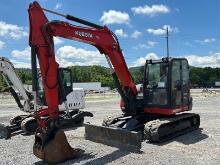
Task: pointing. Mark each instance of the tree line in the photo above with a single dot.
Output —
(204, 77)
(199, 77)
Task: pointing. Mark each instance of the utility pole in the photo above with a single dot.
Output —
(167, 36)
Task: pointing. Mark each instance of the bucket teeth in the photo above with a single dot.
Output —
(56, 149)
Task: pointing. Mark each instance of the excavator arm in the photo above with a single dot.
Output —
(14, 83)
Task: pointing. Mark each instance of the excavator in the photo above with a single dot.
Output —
(70, 115)
(13, 82)
(153, 116)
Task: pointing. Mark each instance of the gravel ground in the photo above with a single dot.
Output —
(199, 147)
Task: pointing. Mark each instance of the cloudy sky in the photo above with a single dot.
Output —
(194, 28)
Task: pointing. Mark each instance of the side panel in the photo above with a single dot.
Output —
(75, 100)
(165, 111)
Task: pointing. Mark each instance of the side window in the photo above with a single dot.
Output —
(185, 70)
(66, 81)
(67, 78)
(157, 75)
(175, 74)
(40, 91)
(153, 75)
(176, 84)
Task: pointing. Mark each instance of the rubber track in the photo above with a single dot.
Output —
(164, 129)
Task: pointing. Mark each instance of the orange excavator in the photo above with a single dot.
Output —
(151, 114)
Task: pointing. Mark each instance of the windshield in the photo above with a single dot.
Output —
(157, 75)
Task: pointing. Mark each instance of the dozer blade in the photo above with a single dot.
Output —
(55, 149)
(116, 137)
(4, 132)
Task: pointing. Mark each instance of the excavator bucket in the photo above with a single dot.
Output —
(116, 137)
(54, 148)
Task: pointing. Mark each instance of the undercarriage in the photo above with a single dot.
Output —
(27, 124)
(129, 131)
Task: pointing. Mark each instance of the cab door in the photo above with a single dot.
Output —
(176, 92)
(185, 83)
(180, 90)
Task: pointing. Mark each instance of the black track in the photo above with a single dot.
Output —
(164, 129)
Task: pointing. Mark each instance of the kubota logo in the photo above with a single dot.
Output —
(83, 34)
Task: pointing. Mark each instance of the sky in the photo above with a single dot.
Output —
(194, 30)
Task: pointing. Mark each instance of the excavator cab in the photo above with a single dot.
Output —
(166, 84)
(65, 84)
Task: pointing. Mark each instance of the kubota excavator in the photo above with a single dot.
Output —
(151, 116)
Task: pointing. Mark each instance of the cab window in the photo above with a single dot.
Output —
(157, 75)
(185, 70)
(176, 83)
(66, 78)
(156, 84)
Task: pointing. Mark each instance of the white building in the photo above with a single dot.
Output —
(217, 84)
(91, 86)
(87, 86)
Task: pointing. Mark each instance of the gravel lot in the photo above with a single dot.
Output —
(198, 147)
